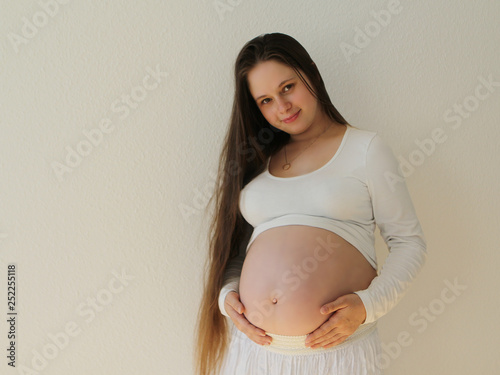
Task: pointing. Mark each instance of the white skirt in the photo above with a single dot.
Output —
(359, 354)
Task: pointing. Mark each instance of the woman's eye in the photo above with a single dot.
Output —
(285, 89)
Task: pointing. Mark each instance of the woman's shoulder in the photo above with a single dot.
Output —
(361, 130)
(359, 135)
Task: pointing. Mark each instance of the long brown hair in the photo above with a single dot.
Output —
(249, 141)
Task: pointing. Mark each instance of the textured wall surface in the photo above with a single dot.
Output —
(112, 116)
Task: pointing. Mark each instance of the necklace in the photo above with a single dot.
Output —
(288, 164)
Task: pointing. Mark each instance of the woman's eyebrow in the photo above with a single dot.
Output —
(281, 84)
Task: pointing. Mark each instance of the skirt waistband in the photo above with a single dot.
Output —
(297, 344)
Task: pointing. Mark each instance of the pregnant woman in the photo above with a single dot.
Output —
(292, 259)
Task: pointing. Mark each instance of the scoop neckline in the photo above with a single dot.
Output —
(341, 146)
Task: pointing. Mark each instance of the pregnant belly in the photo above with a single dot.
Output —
(290, 271)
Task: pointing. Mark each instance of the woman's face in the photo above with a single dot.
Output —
(282, 97)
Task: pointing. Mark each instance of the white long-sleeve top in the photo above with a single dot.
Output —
(360, 187)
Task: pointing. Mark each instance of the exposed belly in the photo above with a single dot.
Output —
(291, 271)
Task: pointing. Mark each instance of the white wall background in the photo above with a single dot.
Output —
(122, 208)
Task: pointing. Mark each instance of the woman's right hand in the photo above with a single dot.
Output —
(235, 310)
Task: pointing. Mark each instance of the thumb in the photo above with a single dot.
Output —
(235, 303)
(332, 306)
(240, 308)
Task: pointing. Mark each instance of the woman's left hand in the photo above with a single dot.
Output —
(349, 314)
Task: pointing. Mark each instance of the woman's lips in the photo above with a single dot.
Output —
(292, 118)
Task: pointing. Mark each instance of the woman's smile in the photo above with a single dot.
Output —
(292, 118)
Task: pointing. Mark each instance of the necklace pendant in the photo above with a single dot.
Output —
(286, 166)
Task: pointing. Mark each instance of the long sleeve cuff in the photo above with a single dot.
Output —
(367, 302)
(232, 285)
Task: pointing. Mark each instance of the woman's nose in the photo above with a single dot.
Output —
(283, 104)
